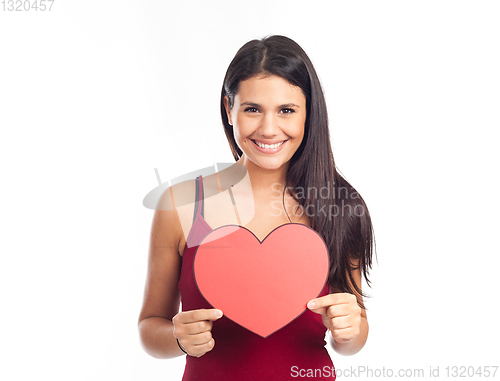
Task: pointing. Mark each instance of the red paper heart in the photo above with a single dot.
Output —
(265, 285)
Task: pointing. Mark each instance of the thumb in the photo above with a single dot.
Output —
(313, 306)
(215, 314)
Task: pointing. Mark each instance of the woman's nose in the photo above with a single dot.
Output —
(269, 125)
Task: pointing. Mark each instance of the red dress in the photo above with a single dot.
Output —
(296, 351)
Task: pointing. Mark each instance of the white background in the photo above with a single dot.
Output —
(96, 94)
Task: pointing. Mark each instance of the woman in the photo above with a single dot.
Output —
(275, 119)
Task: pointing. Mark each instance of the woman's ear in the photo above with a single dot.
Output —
(228, 112)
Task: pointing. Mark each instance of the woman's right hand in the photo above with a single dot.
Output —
(193, 329)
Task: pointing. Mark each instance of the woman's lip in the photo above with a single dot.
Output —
(268, 150)
(268, 141)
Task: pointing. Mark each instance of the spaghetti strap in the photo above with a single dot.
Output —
(199, 228)
(198, 204)
(201, 196)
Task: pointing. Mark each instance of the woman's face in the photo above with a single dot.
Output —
(268, 118)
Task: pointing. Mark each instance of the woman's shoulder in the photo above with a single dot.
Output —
(177, 195)
(174, 209)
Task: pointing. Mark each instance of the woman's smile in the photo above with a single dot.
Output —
(268, 147)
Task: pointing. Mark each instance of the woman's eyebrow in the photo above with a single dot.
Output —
(280, 106)
(250, 104)
(288, 105)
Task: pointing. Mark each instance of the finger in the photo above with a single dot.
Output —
(198, 315)
(344, 335)
(198, 327)
(341, 322)
(328, 300)
(200, 350)
(320, 311)
(199, 338)
(214, 314)
(337, 310)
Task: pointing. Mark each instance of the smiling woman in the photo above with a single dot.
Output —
(268, 116)
(275, 119)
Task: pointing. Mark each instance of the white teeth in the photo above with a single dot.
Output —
(269, 145)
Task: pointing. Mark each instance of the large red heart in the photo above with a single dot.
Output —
(265, 285)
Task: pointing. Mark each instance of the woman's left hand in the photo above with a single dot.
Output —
(340, 313)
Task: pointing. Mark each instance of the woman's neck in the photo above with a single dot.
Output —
(264, 181)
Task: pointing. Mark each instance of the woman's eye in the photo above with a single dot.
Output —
(251, 109)
(288, 110)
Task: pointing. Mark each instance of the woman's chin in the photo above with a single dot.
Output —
(269, 164)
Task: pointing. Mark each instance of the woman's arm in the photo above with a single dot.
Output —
(345, 319)
(160, 322)
(161, 294)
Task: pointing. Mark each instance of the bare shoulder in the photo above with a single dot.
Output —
(179, 200)
(179, 194)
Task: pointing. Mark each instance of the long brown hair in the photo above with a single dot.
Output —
(347, 231)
